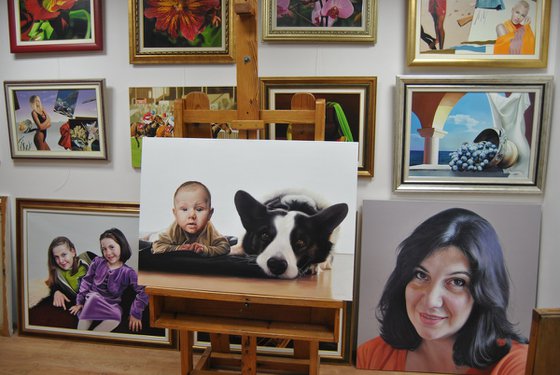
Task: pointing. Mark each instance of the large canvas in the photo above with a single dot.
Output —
(387, 223)
(260, 168)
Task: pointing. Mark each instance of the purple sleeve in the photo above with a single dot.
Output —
(141, 300)
(87, 282)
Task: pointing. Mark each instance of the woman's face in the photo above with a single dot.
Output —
(438, 300)
(111, 251)
(63, 256)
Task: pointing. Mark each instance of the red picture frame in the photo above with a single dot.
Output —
(40, 30)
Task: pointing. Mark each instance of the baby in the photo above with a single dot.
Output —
(192, 230)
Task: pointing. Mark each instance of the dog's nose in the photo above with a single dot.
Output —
(277, 265)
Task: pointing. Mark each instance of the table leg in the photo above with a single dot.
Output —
(186, 345)
(248, 355)
(308, 350)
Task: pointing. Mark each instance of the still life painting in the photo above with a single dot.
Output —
(476, 133)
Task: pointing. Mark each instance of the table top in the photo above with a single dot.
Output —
(315, 287)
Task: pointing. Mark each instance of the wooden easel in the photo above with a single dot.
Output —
(249, 312)
(193, 115)
(301, 310)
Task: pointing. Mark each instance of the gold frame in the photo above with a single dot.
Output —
(197, 56)
(63, 217)
(366, 87)
(365, 34)
(6, 328)
(449, 58)
(435, 177)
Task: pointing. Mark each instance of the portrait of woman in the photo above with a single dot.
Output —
(444, 306)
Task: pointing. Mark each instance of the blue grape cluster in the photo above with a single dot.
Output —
(473, 157)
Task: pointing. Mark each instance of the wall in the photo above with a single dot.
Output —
(116, 180)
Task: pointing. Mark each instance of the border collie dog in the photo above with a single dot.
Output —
(290, 233)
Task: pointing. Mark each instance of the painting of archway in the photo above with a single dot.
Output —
(477, 130)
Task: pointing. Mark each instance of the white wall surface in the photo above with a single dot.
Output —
(116, 180)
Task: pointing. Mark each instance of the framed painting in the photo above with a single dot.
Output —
(56, 119)
(38, 26)
(476, 133)
(59, 255)
(159, 33)
(350, 112)
(490, 33)
(6, 320)
(399, 280)
(152, 112)
(319, 21)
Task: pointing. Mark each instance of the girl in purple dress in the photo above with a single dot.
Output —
(102, 287)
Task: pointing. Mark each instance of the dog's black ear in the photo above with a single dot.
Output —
(329, 218)
(249, 209)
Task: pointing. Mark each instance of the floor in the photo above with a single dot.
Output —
(39, 355)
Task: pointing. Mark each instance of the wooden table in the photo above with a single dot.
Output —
(302, 310)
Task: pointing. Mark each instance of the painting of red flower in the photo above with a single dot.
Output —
(182, 23)
(55, 25)
(178, 31)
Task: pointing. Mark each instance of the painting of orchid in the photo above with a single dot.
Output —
(49, 26)
(178, 31)
(319, 20)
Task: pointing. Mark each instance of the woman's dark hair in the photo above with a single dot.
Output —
(51, 262)
(119, 237)
(486, 336)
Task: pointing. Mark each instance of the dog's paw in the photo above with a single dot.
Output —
(237, 250)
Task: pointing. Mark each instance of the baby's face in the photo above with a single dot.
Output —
(518, 14)
(192, 210)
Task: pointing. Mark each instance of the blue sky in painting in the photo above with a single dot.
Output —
(467, 119)
(86, 105)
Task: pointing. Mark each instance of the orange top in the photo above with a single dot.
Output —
(503, 43)
(376, 354)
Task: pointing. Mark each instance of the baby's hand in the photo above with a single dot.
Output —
(526, 21)
(74, 310)
(59, 299)
(185, 247)
(134, 324)
(198, 247)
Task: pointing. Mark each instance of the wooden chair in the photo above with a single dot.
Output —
(544, 343)
(194, 118)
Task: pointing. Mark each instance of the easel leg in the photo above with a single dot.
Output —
(186, 344)
(308, 350)
(248, 355)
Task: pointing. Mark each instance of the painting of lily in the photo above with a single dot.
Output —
(180, 31)
(182, 23)
(54, 25)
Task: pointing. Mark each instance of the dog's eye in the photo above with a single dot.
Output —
(265, 237)
(300, 245)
